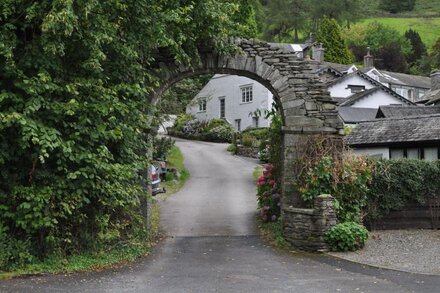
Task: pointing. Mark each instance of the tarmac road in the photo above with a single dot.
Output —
(213, 246)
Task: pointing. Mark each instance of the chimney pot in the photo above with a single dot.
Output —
(368, 59)
(318, 53)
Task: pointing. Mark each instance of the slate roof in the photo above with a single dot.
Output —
(356, 115)
(374, 82)
(405, 111)
(335, 68)
(388, 131)
(402, 78)
(406, 79)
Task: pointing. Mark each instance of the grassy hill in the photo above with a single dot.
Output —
(425, 19)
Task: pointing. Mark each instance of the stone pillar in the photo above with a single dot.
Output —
(305, 228)
(324, 219)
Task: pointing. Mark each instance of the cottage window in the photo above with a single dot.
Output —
(431, 154)
(222, 108)
(202, 105)
(246, 94)
(397, 154)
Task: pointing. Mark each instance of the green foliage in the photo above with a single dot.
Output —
(347, 236)
(74, 117)
(418, 48)
(232, 148)
(275, 146)
(162, 146)
(248, 140)
(347, 181)
(181, 121)
(397, 183)
(215, 130)
(395, 6)
(330, 35)
(175, 180)
(177, 97)
(258, 133)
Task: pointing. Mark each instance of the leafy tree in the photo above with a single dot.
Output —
(175, 100)
(429, 62)
(418, 47)
(376, 36)
(390, 58)
(74, 113)
(285, 16)
(329, 34)
(344, 11)
(396, 6)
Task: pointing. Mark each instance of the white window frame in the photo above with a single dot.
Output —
(247, 94)
(202, 105)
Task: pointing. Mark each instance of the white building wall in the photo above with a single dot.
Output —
(379, 152)
(229, 87)
(341, 90)
(376, 99)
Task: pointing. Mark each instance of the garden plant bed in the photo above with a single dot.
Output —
(415, 251)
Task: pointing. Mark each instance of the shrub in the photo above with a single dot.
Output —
(162, 146)
(232, 148)
(248, 140)
(221, 133)
(268, 195)
(348, 236)
(181, 121)
(397, 183)
(347, 181)
(258, 133)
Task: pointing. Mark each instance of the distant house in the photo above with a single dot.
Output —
(236, 99)
(415, 137)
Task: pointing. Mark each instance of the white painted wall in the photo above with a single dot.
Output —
(228, 86)
(381, 152)
(341, 90)
(376, 99)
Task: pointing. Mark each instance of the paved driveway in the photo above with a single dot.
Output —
(213, 246)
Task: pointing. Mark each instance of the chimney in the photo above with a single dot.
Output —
(318, 53)
(368, 59)
(435, 80)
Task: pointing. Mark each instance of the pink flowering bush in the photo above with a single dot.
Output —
(268, 195)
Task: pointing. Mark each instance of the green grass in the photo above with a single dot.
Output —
(116, 256)
(258, 171)
(428, 28)
(175, 160)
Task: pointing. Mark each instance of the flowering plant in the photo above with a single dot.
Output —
(268, 195)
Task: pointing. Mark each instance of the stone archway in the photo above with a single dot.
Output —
(304, 103)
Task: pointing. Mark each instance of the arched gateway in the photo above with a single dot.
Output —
(306, 108)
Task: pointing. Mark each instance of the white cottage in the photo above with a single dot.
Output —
(233, 98)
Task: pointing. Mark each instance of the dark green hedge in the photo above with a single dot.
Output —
(397, 183)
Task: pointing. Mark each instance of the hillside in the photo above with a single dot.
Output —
(425, 19)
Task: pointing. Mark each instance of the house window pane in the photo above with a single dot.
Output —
(222, 108)
(413, 154)
(431, 154)
(396, 154)
(202, 105)
(246, 94)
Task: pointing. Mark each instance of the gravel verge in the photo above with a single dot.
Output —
(415, 251)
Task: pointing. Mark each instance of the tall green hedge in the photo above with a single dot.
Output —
(397, 183)
(75, 77)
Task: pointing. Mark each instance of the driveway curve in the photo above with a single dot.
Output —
(212, 245)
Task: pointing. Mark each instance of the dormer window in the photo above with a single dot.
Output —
(356, 88)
